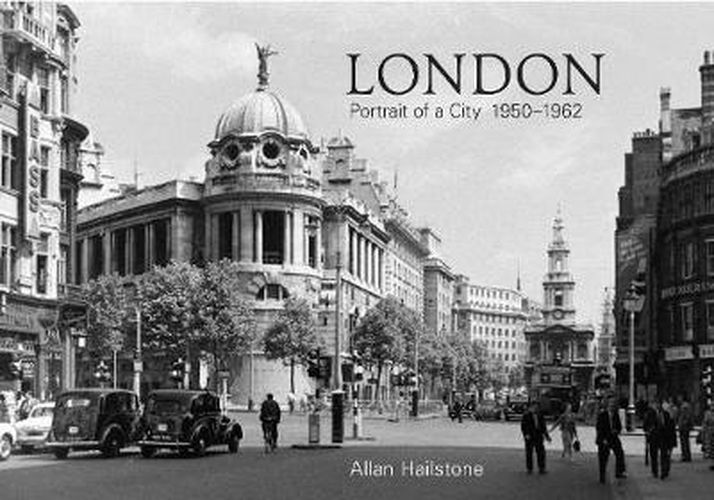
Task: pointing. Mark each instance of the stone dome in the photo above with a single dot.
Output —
(258, 112)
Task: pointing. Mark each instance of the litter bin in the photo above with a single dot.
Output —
(313, 428)
(338, 424)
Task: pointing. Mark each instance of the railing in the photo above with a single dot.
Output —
(32, 28)
(69, 291)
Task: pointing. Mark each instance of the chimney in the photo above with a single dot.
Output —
(706, 71)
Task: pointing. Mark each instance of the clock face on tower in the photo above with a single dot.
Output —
(558, 314)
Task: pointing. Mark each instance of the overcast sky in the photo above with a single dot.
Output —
(154, 79)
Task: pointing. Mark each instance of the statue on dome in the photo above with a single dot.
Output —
(263, 54)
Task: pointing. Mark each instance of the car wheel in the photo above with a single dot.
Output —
(148, 451)
(5, 447)
(233, 443)
(112, 445)
(61, 453)
(199, 445)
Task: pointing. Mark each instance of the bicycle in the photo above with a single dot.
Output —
(270, 432)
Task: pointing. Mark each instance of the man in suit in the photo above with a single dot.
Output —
(534, 432)
(608, 429)
(662, 437)
(685, 423)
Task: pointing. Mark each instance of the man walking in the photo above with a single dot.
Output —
(607, 438)
(270, 418)
(534, 432)
(662, 436)
(685, 424)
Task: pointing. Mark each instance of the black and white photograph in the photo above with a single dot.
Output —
(356, 250)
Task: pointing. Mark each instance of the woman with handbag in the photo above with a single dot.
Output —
(566, 422)
(708, 435)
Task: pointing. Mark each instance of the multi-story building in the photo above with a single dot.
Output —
(438, 286)
(496, 317)
(300, 221)
(684, 261)
(38, 194)
(634, 242)
(560, 359)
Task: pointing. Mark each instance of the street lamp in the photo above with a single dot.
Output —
(632, 303)
(138, 364)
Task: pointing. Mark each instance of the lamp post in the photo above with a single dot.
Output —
(138, 364)
(632, 303)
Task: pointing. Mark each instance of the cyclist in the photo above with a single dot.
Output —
(270, 418)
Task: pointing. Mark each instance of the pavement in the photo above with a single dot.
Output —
(351, 472)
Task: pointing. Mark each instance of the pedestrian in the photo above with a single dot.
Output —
(4, 411)
(708, 434)
(566, 422)
(685, 423)
(608, 428)
(457, 410)
(534, 433)
(662, 437)
(22, 406)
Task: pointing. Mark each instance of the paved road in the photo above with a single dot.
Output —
(328, 474)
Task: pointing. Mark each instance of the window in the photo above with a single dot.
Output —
(8, 255)
(162, 250)
(225, 235)
(9, 161)
(710, 319)
(273, 237)
(272, 291)
(42, 257)
(558, 301)
(44, 171)
(43, 80)
(10, 70)
(62, 265)
(139, 248)
(687, 260)
(64, 95)
(710, 257)
(64, 210)
(119, 252)
(687, 315)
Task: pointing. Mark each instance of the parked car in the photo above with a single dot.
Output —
(515, 410)
(186, 421)
(488, 410)
(94, 419)
(32, 432)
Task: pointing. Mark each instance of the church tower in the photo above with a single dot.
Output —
(558, 284)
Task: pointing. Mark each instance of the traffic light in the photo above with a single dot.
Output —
(313, 368)
(178, 368)
(102, 372)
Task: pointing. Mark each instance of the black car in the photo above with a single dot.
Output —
(94, 419)
(515, 410)
(186, 421)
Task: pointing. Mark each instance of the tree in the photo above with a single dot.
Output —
(170, 303)
(293, 336)
(108, 315)
(384, 332)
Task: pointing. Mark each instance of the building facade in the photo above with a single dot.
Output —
(438, 286)
(561, 357)
(496, 317)
(38, 195)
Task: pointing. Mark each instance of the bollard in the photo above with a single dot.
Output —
(357, 422)
(313, 428)
(338, 424)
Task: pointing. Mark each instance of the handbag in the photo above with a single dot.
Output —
(576, 444)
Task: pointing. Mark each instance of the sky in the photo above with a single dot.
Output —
(155, 78)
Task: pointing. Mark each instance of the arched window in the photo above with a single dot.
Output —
(272, 292)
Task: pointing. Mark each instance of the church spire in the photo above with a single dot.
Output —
(518, 279)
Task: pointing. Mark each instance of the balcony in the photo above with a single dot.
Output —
(689, 163)
(28, 28)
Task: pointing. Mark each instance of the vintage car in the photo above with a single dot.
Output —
(32, 432)
(514, 410)
(187, 421)
(94, 419)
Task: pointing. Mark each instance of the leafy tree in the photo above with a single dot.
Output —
(108, 314)
(226, 321)
(293, 336)
(382, 335)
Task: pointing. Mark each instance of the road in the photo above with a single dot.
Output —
(332, 474)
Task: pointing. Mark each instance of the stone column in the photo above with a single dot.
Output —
(380, 270)
(368, 259)
(363, 256)
(129, 260)
(169, 240)
(318, 245)
(287, 238)
(150, 244)
(258, 256)
(235, 234)
(298, 222)
(353, 251)
(246, 234)
(107, 252)
(214, 237)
